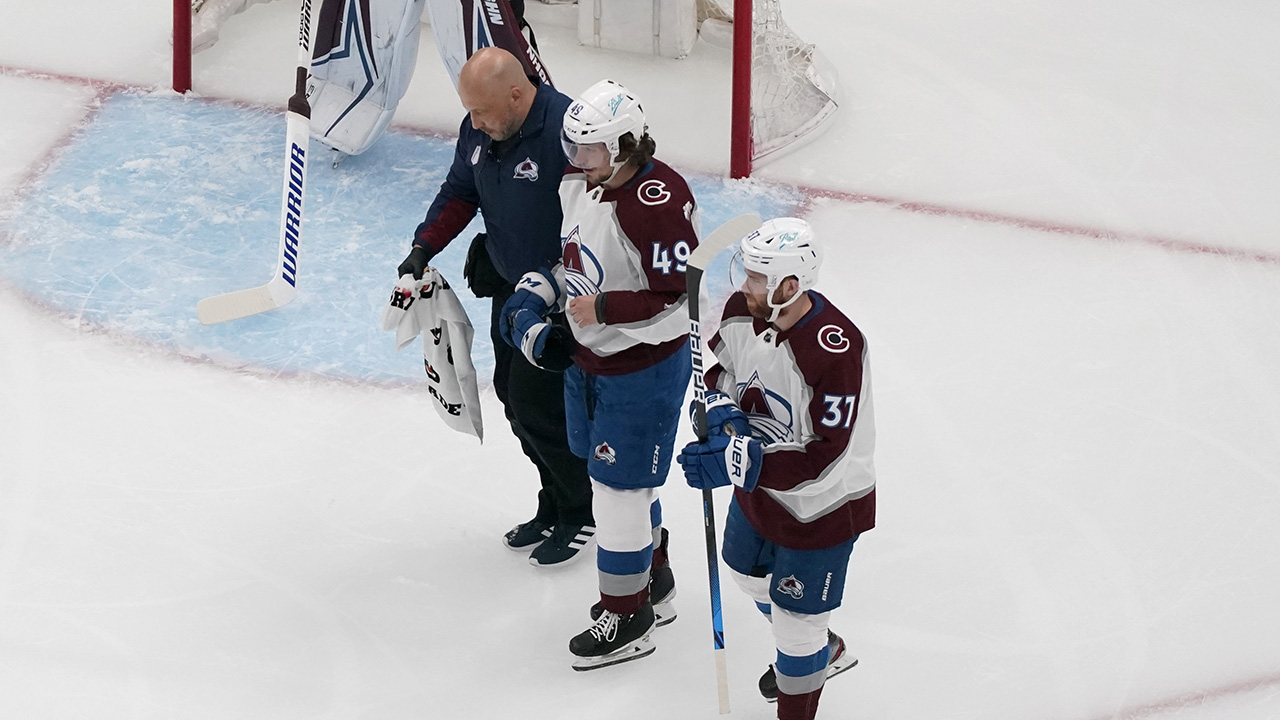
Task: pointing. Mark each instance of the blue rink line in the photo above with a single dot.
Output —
(162, 201)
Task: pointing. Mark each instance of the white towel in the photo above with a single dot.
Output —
(431, 304)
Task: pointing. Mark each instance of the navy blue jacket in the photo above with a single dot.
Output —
(515, 186)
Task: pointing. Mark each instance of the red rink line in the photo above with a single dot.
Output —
(1193, 699)
(105, 87)
(1047, 226)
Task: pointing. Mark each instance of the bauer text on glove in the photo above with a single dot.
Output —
(722, 460)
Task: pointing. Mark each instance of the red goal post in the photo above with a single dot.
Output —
(182, 46)
(784, 89)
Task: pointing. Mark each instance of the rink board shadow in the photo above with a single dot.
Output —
(161, 201)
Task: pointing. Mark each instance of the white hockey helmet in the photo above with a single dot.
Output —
(595, 122)
(779, 249)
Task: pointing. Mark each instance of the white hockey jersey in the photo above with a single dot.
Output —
(807, 394)
(630, 243)
(432, 310)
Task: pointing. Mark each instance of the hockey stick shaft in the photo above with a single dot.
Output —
(698, 262)
(283, 286)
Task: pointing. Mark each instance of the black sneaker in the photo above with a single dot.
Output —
(840, 660)
(563, 545)
(614, 639)
(526, 535)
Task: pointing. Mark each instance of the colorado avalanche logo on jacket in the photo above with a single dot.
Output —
(768, 412)
(583, 273)
(527, 170)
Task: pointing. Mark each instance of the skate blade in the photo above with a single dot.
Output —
(643, 647)
(664, 611)
(842, 663)
(664, 614)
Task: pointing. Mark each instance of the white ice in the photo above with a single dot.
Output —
(1078, 424)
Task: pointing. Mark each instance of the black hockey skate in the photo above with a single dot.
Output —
(841, 660)
(662, 590)
(614, 639)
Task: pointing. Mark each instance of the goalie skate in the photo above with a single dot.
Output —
(614, 639)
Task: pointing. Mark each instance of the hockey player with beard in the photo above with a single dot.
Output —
(790, 425)
(629, 225)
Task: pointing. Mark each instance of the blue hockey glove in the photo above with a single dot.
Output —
(722, 460)
(536, 294)
(723, 415)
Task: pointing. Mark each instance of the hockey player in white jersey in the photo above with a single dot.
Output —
(630, 222)
(790, 425)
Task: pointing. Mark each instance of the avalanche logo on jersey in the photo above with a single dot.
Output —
(583, 273)
(605, 454)
(527, 170)
(768, 412)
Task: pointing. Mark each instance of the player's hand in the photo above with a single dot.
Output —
(722, 460)
(723, 415)
(415, 264)
(582, 310)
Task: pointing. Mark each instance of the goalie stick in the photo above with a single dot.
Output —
(702, 256)
(283, 286)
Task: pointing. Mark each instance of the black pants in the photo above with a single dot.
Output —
(533, 399)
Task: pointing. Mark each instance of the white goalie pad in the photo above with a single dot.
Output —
(364, 59)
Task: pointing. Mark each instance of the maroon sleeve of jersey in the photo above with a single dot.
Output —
(625, 306)
(655, 215)
(836, 380)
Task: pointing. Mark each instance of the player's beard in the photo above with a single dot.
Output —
(757, 306)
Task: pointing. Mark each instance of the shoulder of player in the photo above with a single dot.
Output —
(827, 334)
(659, 190)
(735, 307)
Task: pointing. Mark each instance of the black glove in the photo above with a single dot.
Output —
(415, 264)
(557, 353)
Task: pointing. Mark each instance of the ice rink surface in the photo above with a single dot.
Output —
(1056, 225)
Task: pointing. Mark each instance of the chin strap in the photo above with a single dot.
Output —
(773, 317)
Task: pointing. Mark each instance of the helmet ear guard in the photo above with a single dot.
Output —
(779, 249)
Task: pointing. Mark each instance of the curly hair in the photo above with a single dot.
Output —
(637, 153)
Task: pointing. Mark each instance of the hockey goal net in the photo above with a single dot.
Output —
(784, 90)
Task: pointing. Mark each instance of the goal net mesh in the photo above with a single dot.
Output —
(793, 87)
